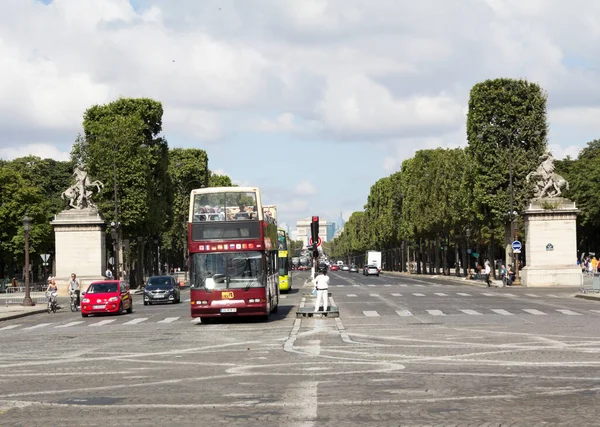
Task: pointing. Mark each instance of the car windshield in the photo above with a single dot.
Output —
(226, 206)
(160, 282)
(102, 288)
(235, 270)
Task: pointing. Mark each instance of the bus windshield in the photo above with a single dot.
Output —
(226, 206)
(235, 270)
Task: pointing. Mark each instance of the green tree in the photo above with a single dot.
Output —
(506, 126)
(217, 180)
(582, 174)
(18, 197)
(188, 169)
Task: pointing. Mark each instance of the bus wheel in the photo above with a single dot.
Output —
(205, 320)
(276, 308)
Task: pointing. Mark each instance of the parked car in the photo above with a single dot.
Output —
(353, 269)
(162, 289)
(106, 296)
(371, 269)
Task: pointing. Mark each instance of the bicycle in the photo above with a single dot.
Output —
(52, 302)
(74, 300)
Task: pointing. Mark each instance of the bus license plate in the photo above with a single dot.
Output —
(228, 310)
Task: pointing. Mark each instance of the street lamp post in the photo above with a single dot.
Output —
(27, 301)
(468, 232)
(115, 235)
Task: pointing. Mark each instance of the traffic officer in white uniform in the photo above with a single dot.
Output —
(322, 287)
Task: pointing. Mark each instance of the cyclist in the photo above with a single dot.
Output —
(75, 288)
(52, 290)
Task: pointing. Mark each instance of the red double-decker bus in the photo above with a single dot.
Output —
(232, 254)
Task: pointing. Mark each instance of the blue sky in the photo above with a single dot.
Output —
(311, 100)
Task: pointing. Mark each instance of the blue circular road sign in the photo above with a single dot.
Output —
(516, 245)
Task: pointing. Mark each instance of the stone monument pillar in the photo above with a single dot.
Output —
(551, 243)
(79, 234)
(550, 232)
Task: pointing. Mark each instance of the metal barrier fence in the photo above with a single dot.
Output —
(590, 282)
(16, 294)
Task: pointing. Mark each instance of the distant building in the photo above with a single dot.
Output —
(326, 230)
(339, 223)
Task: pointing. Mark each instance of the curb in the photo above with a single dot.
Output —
(588, 297)
(19, 315)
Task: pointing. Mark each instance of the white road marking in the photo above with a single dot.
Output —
(488, 295)
(463, 295)
(373, 295)
(187, 300)
(66, 325)
(436, 312)
(41, 325)
(568, 312)
(595, 311)
(396, 295)
(534, 311)
(371, 286)
(136, 321)
(168, 320)
(508, 295)
(440, 294)
(371, 313)
(421, 286)
(501, 311)
(471, 312)
(553, 296)
(103, 322)
(532, 295)
(387, 286)
(356, 286)
(9, 327)
(403, 313)
(418, 294)
(404, 286)
(351, 295)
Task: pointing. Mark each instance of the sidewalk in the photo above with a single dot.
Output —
(463, 280)
(15, 311)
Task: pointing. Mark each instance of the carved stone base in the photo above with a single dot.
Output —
(551, 243)
(80, 247)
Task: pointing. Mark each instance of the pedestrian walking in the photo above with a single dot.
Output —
(322, 288)
(488, 271)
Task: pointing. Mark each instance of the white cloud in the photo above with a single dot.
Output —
(43, 151)
(305, 188)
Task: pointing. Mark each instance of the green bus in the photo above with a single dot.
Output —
(285, 274)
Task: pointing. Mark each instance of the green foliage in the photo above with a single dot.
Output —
(583, 174)
(121, 141)
(20, 196)
(217, 180)
(504, 115)
(188, 169)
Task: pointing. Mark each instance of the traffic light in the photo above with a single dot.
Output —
(314, 229)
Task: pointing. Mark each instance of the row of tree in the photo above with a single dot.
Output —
(445, 203)
(123, 148)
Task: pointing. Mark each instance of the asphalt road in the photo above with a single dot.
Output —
(405, 351)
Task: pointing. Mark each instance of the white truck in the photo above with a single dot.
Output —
(373, 258)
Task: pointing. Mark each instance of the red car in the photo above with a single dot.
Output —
(334, 268)
(106, 296)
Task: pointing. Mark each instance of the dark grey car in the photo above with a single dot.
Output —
(161, 289)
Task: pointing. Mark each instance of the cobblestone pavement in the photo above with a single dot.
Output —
(404, 352)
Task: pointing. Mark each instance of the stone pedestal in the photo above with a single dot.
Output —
(80, 247)
(551, 244)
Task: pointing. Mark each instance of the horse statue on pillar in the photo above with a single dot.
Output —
(79, 194)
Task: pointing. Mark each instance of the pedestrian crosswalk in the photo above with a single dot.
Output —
(472, 312)
(92, 323)
(453, 294)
